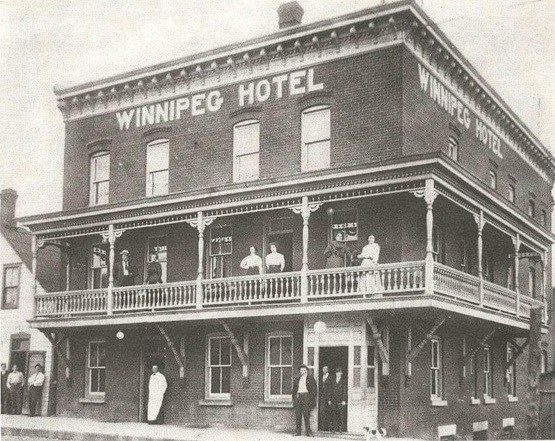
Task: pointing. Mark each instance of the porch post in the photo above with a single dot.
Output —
(68, 267)
(34, 249)
(544, 287)
(430, 195)
(516, 245)
(112, 242)
(305, 213)
(200, 228)
(479, 218)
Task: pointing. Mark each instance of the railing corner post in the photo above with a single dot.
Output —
(518, 302)
(481, 291)
(304, 284)
(199, 293)
(110, 300)
(429, 275)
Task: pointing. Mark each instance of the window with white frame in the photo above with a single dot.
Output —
(316, 136)
(159, 246)
(246, 150)
(543, 218)
(510, 373)
(10, 286)
(371, 366)
(220, 251)
(219, 367)
(453, 149)
(436, 370)
(98, 267)
(279, 366)
(96, 369)
(157, 167)
(493, 179)
(475, 369)
(511, 193)
(487, 372)
(531, 208)
(100, 178)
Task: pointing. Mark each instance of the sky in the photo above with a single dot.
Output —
(510, 42)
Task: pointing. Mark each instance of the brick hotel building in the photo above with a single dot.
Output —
(371, 123)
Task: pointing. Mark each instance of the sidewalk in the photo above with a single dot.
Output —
(89, 430)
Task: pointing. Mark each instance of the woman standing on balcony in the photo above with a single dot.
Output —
(370, 255)
(335, 252)
(252, 264)
(153, 271)
(275, 262)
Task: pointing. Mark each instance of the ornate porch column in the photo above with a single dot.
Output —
(111, 237)
(304, 210)
(480, 222)
(34, 250)
(68, 266)
(516, 245)
(200, 223)
(544, 287)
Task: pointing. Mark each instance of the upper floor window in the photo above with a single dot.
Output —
(531, 208)
(511, 195)
(436, 370)
(543, 217)
(10, 288)
(220, 251)
(99, 267)
(279, 366)
(157, 167)
(246, 150)
(219, 367)
(438, 242)
(453, 149)
(100, 178)
(487, 267)
(464, 256)
(96, 367)
(532, 281)
(316, 134)
(493, 179)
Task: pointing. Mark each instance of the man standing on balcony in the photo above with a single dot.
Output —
(304, 399)
(124, 273)
(157, 386)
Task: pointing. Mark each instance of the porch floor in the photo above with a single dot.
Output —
(84, 429)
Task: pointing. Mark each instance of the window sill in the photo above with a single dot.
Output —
(438, 403)
(276, 404)
(474, 401)
(91, 400)
(512, 399)
(215, 403)
(489, 400)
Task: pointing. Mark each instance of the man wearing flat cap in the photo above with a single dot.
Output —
(304, 399)
(124, 272)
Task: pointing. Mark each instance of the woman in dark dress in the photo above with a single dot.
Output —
(154, 276)
(335, 253)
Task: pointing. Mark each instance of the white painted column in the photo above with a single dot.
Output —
(305, 213)
(430, 195)
(480, 222)
(200, 270)
(111, 259)
(34, 251)
(516, 245)
(544, 287)
(68, 267)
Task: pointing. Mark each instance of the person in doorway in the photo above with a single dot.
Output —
(5, 391)
(15, 386)
(252, 264)
(153, 270)
(326, 387)
(370, 255)
(275, 262)
(157, 386)
(338, 402)
(304, 399)
(335, 252)
(124, 273)
(36, 382)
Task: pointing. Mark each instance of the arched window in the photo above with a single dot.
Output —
(246, 150)
(100, 178)
(316, 135)
(157, 167)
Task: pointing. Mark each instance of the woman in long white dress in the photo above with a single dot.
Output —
(370, 256)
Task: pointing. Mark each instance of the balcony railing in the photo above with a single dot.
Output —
(395, 279)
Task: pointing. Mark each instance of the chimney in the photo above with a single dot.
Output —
(290, 14)
(7, 207)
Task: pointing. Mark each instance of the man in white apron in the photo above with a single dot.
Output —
(157, 386)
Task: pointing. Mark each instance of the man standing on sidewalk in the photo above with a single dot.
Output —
(5, 391)
(304, 399)
(35, 390)
(15, 385)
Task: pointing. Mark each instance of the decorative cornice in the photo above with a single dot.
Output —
(99, 142)
(156, 130)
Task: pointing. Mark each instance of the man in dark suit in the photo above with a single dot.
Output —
(124, 272)
(326, 386)
(5, 391)
(338, 401)
(304, 399)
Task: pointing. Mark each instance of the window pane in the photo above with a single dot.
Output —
(316, 125)
(102, 168)
(101, 355)
(102, 380)
(274, 351)
(370, 379)
(246, 138)
(286, 383)
(226, 351)
(157, 157)
(370, 356)
(248, 167)
(287, 351)
(356, 354)
(434, 382)
(356, 377)
(11, 277)
(94, 380)
(318, 155)
(214, 351)
(103, 191)
(159, 182)
(10, 297)
(226, 380)
(275, 381)
(92, 355)
(215, 383)
(99, 257)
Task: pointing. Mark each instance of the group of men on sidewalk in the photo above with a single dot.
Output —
(13, 384)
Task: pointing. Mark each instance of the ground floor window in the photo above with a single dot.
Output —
(96, 369)
(510, 373)
(487, 370)
(279, 361)
(219, 367)
(436, 370)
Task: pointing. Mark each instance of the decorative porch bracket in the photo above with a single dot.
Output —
(178, 357)
(56, 344)
(242, 352)
(410, 356)
(519, 349)
(475, 349)
(382, 350)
